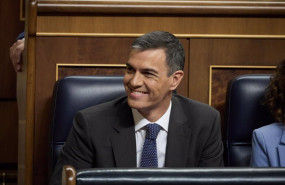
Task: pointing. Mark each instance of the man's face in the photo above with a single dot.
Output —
(146, 82)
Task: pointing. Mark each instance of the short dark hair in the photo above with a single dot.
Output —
(175, 57)
(275, 93)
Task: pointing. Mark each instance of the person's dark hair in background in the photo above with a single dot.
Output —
(174, 50)
(275, 94)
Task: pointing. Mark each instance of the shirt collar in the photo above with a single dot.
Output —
(140, 121)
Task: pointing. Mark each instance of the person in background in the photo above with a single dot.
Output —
(151, 126)
(268, 142)
(16, 51)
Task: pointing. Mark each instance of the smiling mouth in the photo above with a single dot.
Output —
(137, 92)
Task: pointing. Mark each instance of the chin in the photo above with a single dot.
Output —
(135, 104)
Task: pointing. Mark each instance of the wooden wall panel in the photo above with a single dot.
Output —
(142, 24)
(241, 52)
(8, 133)
(100, 32)
(10, 27)
(89, 69)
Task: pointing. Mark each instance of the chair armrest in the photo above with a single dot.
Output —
(68, 175)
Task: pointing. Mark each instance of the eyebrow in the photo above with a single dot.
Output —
(129, 65)
(144, 69)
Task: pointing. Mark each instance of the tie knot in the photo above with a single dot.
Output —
(152, 130)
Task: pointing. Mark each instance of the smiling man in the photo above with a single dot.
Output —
(151, 126)
(148, 84)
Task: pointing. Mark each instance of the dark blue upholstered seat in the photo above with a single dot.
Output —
(244, 112)
(75, 93)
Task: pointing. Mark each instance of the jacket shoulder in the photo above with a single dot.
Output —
(194, 106)
(271, 131)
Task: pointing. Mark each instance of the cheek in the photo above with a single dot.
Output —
(164, 87)
(156, 87)
(152, 85)
(126, 79)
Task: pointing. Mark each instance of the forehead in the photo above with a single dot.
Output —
(147, 57)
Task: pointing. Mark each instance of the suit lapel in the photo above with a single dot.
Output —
(123, 138)
(178, 137)
(281, 149)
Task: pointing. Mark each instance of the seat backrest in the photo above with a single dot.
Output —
(244, 112)
(74, 93)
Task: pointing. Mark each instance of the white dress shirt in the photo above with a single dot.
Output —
(161, 139)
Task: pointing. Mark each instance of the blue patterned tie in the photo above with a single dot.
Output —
(149, 153)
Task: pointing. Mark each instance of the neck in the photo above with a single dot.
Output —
(153, 114)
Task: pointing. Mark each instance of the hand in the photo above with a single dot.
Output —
(16, 54)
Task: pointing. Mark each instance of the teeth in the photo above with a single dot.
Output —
(138, 92)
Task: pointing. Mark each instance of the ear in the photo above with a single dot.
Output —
(176, 79)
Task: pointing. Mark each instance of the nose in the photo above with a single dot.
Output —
(136, 80)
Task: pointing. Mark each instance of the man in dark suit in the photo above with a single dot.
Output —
(113, 134)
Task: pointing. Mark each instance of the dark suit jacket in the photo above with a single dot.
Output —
(104, 136)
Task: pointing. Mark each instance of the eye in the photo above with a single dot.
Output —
(129, 69)
(149, 74)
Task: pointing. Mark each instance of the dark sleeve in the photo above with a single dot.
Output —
(77, 150)
(212, 155)
(20, 36)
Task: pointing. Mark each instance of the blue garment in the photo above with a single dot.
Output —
(268, 146)
(20, 36)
